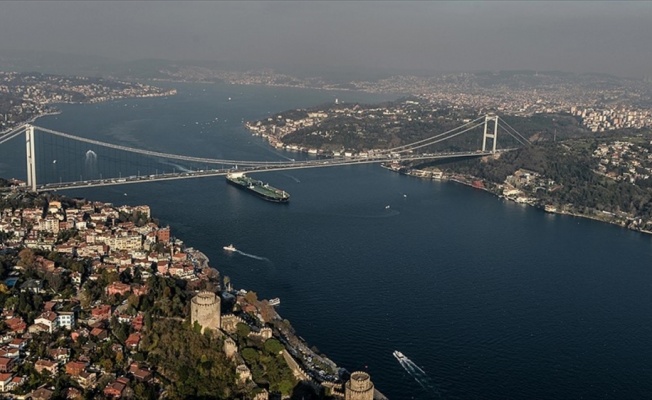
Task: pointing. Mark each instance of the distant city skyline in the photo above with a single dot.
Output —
(603, 37)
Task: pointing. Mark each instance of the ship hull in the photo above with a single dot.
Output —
(270, 194)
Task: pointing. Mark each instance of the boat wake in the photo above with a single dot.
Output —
(242, 253)
(419, 375)
(294, 178)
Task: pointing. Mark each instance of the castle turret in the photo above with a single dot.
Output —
(359, 387)
(230, 348)
(205, 310)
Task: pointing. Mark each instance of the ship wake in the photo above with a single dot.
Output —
(294, 178)
(255, 257)
(419, 375)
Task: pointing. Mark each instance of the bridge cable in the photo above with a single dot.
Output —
(515, 131)
(13, 130)
(431, 142)
(394, 149)
(160, 154)
(9, 137)
(446, 138)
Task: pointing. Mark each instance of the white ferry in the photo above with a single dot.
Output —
(229, 248)
(275, 301)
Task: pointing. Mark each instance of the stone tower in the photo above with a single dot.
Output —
(230, 348)
(205, 309)
(359, 387)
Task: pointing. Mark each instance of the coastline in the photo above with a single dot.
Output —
(95, 100)
(470, 181)
(31, 119)
(300, 350)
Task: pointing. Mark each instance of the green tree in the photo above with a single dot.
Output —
(242, 330)
(273, 346)
(250, 355)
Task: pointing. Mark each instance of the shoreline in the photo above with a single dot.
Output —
(31, 119)
(96, 100)
(202, 263)
(471, 179)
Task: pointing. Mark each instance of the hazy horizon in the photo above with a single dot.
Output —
(599, 37)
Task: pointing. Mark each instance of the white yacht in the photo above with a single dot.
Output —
(275, 301)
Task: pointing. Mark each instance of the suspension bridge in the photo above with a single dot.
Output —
(63, 157)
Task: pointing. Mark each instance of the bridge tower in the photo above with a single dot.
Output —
(492, 136)
(31, 157)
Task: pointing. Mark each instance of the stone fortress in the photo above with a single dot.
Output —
(359, 387)
(205, 310)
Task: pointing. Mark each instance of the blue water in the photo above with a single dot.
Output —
(493, 300)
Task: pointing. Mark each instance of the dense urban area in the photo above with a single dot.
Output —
(590, 134)
(92, 295)
(99, 301)
(603, 102)
(25, 96)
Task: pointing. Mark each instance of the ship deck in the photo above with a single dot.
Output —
(258, 187)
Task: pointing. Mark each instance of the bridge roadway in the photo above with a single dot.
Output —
(320, 163)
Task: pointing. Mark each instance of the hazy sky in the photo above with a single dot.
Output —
(613, 37)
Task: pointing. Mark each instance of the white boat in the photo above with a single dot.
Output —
(275, 301)
(399, 356)
(229, 248)
(386, 207)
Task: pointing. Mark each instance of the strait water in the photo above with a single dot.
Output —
(492, 300)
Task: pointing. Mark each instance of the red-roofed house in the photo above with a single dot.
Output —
(9, 352)
(46, 264)
(50, 305)
(46, 365)
(116, 388)
(132, 341)
(6, 364)
(163, 234)
(137, 322)
(61, 354)
(162, 267)
(179, 257)
(49, 319)
(18, 343)
(118, 288)
(42, 394)
(5, 380)
(176, 270)
(99, 333)
(75, 368)
(16, 324)
(101, 312)
(17, 381)
(141, 374)
(86, 379)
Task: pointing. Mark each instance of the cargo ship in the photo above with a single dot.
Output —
(260, 189)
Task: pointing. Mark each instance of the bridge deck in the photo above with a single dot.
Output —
(294, 165)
